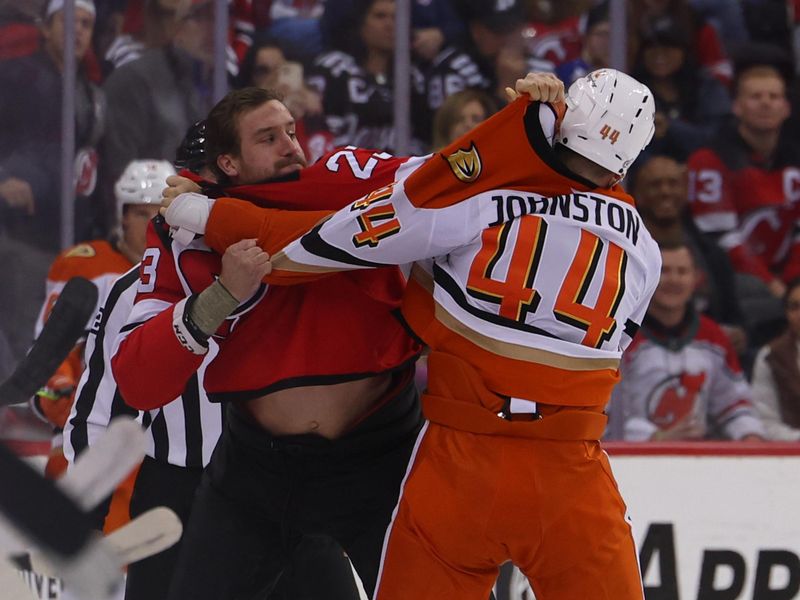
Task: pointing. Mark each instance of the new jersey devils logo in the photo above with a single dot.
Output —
(674, 398)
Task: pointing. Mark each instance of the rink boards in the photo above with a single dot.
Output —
(713, 521)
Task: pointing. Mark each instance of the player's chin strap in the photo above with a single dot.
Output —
(187, 216)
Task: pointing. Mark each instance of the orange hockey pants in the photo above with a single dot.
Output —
(472, 501)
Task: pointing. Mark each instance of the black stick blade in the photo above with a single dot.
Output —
(64, 327)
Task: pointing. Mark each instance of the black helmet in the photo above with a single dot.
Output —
(191, 153)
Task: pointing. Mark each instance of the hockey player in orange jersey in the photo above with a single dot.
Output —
(531, 273)
(137, 194)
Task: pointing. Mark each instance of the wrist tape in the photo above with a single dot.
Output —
(196, 318)
(212, 307)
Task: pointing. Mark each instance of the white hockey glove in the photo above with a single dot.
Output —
(187, 216)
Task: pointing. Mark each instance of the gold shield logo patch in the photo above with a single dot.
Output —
(81, 251)
(466, 164)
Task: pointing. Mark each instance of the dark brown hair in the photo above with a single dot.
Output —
(222, 124)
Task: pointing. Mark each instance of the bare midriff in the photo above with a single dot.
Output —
(325, 410)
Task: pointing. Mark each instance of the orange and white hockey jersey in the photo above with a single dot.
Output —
(98, 261)
(532, 275)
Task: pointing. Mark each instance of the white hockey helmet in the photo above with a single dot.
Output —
(142, 183)
(609, 119)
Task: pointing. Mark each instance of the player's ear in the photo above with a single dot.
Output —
(227, 165)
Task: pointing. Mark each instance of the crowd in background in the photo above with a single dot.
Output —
(719, 186)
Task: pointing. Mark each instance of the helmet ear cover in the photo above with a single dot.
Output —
(609, 119)
(141, 182)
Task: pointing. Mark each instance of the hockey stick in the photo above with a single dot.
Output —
(100, 468)
(148, 534)
(65, 326)
(92, 478)
(68, 547)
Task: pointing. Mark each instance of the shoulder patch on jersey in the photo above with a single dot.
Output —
(81, 251)
(466, 164)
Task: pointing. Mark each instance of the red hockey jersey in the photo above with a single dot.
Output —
(752, 205)
(337, 329)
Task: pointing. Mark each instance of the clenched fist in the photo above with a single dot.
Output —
(244, 265)
(541, 87)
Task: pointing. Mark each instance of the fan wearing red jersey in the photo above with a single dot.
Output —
(137, 194)
(681, 379)
(532, 273)
(323, 412)
(745, 187)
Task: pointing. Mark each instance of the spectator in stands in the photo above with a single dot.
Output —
(726, 18)
(460, 113)
(680, 378)
(434, 25)
(556, 29)
(151, 24)
(660, 187)
(298, 24)
(744, 190)
(146, 24)
(491, 28)
(595, 50)
(357, 87)
(30, 144)
(703, 39)
(19, 35)
(267, 67)
(768, 21)
(153, 99)
(690, 104)
(776, 375)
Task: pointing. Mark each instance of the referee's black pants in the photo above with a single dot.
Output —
(261, 494)
(159, 484)
(318, 569)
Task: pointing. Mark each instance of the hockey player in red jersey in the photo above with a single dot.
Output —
(137, 194)
(323, 410)
(532, 273)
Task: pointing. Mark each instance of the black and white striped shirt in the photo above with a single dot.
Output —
(182, 433)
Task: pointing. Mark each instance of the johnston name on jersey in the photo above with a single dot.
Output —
(533, 275)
